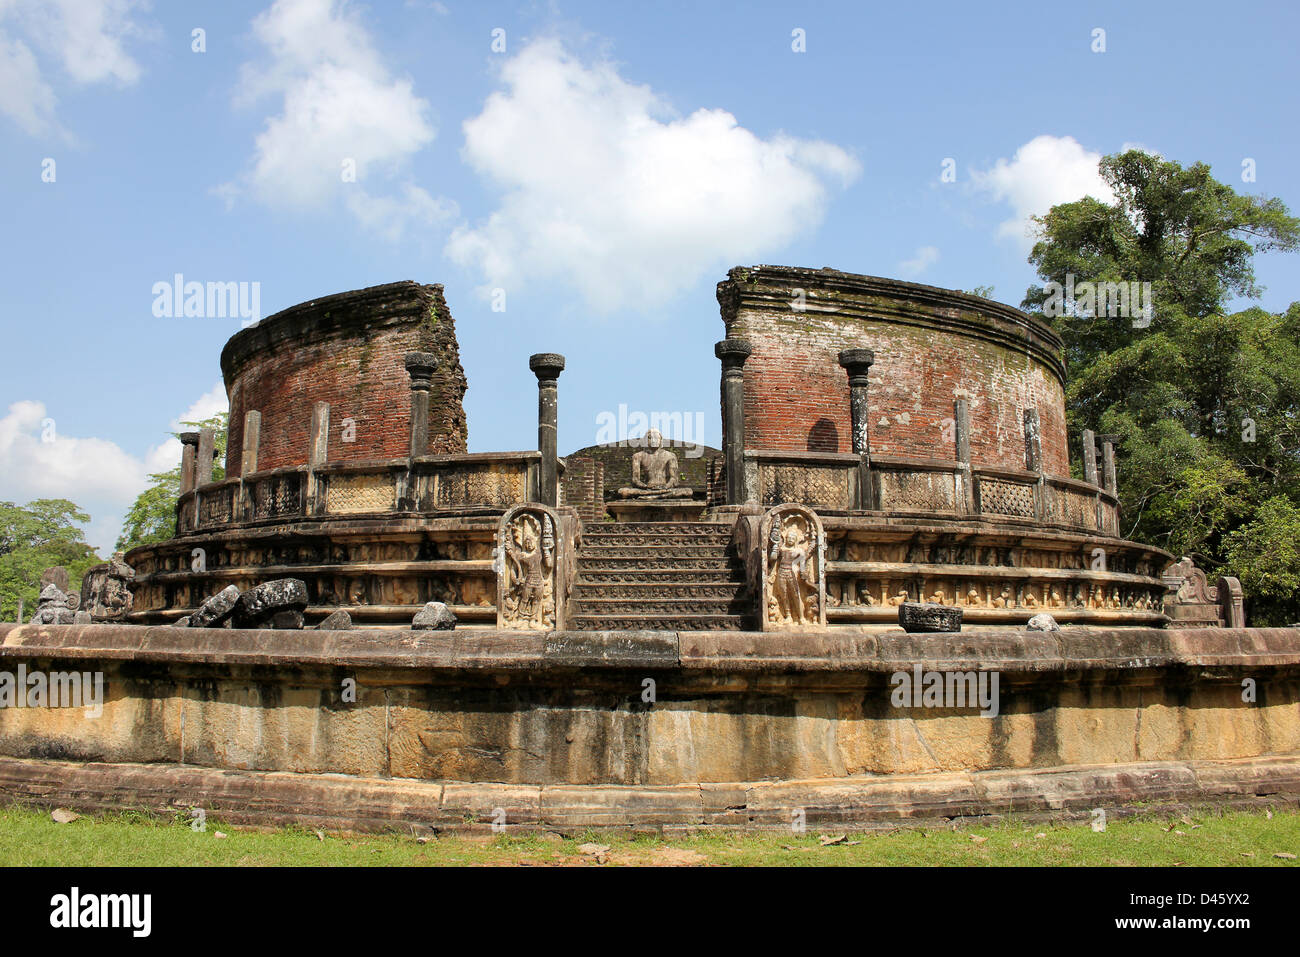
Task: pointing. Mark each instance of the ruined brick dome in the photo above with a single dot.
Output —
(346, 350)
(933, 349)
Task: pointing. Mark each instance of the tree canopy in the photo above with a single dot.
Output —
(1206, 401)
(34, 537)
(152, 517)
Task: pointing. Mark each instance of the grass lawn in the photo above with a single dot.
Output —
(31, 838)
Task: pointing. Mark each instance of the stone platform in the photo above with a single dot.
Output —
(666, 729)
(656, 510)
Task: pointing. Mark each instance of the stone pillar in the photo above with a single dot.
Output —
(420, 366)
(319, 436)
(857, 363)
(189, 460)
(252, 442)
(1033, 442)
(547, 366)
(207, 454)
(1108, 477)
(733, 353)
(961, 430)
(1089, 456)
(961, 421)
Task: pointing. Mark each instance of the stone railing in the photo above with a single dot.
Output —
(427, 484)
(932, 488)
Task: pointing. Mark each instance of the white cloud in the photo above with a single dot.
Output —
(39, 460)
(925, 257)
(390, 216)
(87, 38)
(1044, 172)
(607, 189)
(204, 407)
(339, 108)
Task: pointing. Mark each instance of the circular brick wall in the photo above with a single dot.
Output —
(347, 350)
(932, 346)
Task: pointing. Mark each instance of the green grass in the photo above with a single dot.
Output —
(30, 838)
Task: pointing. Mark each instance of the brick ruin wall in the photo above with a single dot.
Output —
(583, 487)
(347, 350)
(797, 395)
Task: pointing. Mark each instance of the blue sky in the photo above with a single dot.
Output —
(603, 170)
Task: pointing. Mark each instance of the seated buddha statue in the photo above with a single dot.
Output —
(654, 472)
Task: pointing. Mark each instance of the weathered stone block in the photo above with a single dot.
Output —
(927, 616)
(258, 605)
(434, 616)
(338, 620)
(216, 610)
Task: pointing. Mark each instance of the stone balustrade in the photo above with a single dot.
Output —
(831, 483)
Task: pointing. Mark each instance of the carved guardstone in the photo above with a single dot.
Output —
(1192, 602)
(106, 590)
(793, 570)
(532, 568)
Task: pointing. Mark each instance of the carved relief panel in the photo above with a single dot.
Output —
(527, 558)
(793, 569)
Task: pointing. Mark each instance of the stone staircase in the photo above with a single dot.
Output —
(657, 576)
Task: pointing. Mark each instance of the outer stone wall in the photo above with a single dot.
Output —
(745, 729)
(932, 346)
(347, 350)
(567, 708)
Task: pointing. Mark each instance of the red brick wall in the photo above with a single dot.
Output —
(797, 394)
(347, 350)
(583, 487)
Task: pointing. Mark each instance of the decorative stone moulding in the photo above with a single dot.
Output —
(534, 567)
(793, 544)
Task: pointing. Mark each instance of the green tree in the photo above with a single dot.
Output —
(34, 537)
(152, 517)
(1206, 402)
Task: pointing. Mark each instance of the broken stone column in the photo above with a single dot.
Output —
(547, 366)
(252, 441)
(857, 363)
(1090, 456)
(961, 428)
(206, 457)
(189, 459)
(961, 437)
(1109, 482)
(319, 436)
(733, 353)
(1033, 442)
(420, 366)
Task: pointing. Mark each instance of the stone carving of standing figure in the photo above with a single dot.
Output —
(530, 554)
(788, 575)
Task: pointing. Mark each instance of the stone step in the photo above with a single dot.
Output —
(664, 607)
(639, 541)
(657, 528)
(634, 575)
(656, 551)
(642, 591)
(657, 623)
(623, 564)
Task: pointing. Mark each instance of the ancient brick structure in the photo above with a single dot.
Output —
(933, 348)
(892, 453)
(347, 350)
(924, 428)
